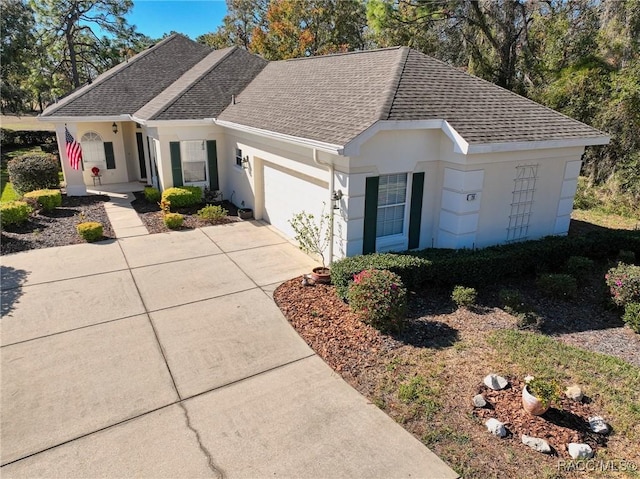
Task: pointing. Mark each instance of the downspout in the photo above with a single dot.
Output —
(331, 169)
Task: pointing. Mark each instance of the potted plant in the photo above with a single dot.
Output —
(245, 213)
(538, 395)
(313, 238)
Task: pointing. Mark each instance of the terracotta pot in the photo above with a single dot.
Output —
(321, 275)
(532, 404)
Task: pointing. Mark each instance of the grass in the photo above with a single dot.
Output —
(25, 122)
(614, 380)
(606, 220)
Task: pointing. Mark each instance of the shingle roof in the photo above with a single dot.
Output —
(128, 86)
(479, 111)
(206, 89)
(334, 98)
(328, 98)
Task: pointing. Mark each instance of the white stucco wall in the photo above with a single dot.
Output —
(121, 173)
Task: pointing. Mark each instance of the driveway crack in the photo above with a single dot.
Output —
(216, 469)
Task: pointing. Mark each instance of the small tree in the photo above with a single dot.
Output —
(312, 236)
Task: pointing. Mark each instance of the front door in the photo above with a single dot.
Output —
(143, 166)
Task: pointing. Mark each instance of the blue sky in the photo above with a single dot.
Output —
(191, 17)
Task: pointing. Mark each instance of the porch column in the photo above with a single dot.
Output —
(72, 178)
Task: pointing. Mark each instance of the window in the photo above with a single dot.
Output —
(93, 154)
(194, 161)
(238, 157)
(392, 199)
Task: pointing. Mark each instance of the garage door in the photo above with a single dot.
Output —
(287, 193)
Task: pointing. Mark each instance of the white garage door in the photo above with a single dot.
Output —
(287, 193)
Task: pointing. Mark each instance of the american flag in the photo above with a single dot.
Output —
(74, 150)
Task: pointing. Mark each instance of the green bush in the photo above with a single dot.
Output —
(632, 315)
(48, 200)
(628, 257)
(624, 283)
(412, 270)
(561, 286)
(212, 213)
(379, 298)
(183, 196)
(173, 220)
(463, 296)
(151, 194)
(14, 213)
(33, 171)
(580, 267)
(90, 231)
(512, 301)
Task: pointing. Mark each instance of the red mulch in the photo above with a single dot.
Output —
(558, 426)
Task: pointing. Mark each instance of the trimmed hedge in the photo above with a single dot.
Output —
(22, 138)
(447, 268)
(183, 196)
(48, 200)
(33, 172)
(90, 231)
(151, 194)
(173, 220)
(14, 213)
(411, 269)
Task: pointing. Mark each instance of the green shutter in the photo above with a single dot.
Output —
(370, 214)
(176, 164)
(212, 158)
(108, 153)
(415, 214)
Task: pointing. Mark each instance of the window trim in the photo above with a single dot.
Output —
(238, 163)
(403, 235)
(183, 160)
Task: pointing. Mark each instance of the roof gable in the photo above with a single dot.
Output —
(130, 85)
(206, 89)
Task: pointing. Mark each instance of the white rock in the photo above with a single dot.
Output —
(574, 392)
(495, 382)
(479, 401)
(580, 451)
(528, 379)
(538, 444)
(598, 425)
(496, 427)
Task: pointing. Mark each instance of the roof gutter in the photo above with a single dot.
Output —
(331, 168)
(313, 144)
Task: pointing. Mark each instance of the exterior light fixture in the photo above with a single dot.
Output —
(114, 127)
(335, 199)
(245, 162)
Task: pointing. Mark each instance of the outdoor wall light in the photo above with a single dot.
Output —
(245, 162)
(335, 198)
(114, 127)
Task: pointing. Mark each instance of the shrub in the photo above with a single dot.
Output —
(412, 270)
(151, 194)
(632, 315)
(33, 172)
(173, 220)
(183, 196)
(561, 286)
(512, 301)
(90, 231)
(624, 283)
(579, 267)
(47, 199)
(212, 213)
(379, 298)
(14, 213)
(464, 297)
(628, 257)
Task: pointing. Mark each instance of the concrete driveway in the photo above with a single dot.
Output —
(165, 356)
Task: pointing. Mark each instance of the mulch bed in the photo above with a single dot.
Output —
(362, 355)
(558, 426)
(58, 227)
(151, 215)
